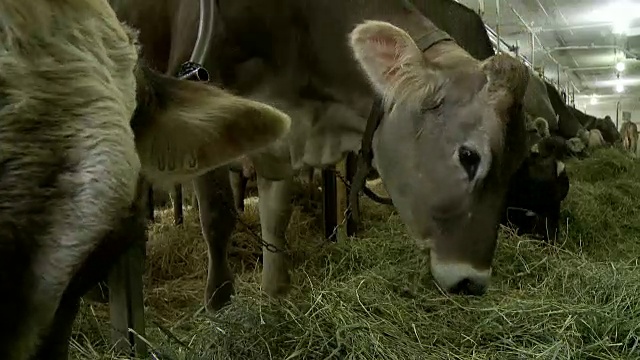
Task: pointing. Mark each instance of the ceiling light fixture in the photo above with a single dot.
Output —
(594, 100)
(621, 27)
(620, 66)
(619, 87)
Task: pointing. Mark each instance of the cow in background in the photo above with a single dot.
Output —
(536, 192)
(605, 126)
(629, 131)
(595, 139)
(82, 120)
(568, 125)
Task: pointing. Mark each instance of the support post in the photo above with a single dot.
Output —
(573, 96)
(342, 195)
(351, 165)
(329, 203)
(126, 301)
(150, 204)
(498, 24)
(178, 215)
(558, 75)
(533, 49)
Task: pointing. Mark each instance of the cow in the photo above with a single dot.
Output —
(595, 139)
(81, 121)
(606, 127)
(568, 126)
(609, 130)
(537, 102)
(536, 192)
(629, 131)
(448, 183)
(468, 30)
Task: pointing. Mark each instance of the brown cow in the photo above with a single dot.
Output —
(80, 122)
(595, 139)
(629, 132)
(452, 135)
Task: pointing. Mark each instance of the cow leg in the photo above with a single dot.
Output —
(217, 219)
(275, 212)
(239, 188)
(55, 345)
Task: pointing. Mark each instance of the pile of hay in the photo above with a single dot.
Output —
(373, 298)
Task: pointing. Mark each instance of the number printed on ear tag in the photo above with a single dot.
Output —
(192, 161)
(161, 162)
(171, 163)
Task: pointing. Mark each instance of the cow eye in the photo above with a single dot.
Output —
(427, 107)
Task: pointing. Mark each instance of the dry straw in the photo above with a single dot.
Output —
(373, 298)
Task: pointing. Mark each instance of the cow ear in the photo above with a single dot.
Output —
(508, 80)
(184, 129)
(391, 60)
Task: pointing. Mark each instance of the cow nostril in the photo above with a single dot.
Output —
(470, 161)
(468, 287)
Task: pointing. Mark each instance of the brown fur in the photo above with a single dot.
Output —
(629, 132)
(70, 169)
(440, 101)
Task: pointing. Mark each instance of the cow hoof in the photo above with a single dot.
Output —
(220, 297)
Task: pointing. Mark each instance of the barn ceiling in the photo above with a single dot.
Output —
(582, 41)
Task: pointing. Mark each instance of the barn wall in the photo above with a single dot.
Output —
(608, 107)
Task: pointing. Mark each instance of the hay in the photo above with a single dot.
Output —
(373, 298)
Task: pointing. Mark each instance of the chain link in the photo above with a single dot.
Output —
(271, 247)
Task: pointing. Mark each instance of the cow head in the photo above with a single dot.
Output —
(450, 140)
(536, 191)
(608, 129)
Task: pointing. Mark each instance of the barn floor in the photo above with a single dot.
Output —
(373, 298)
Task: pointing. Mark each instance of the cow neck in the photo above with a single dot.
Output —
(365, 154)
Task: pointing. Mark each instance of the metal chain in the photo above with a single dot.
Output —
(270, 247)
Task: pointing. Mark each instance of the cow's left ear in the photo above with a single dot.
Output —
(184, 129)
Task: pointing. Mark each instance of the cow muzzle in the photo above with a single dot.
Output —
(459, 278)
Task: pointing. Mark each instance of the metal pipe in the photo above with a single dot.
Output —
(558, 74)
(493, 38)
(205, 32)
(591, 68)
(596, 47)
(573, 97)
(542, 8)
(584, 47)
(533, 48)
(498, 23)
(576, 27)
(535, 36)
